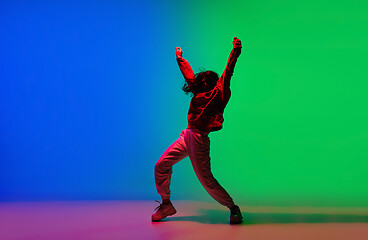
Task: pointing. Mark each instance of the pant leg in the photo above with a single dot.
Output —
(163, 168)
(198, 146)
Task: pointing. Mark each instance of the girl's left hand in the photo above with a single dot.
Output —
(236, 43)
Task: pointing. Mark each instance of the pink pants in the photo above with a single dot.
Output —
(195, 144)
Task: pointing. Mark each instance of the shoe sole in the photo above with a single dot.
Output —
(168, 214)
(236, 222)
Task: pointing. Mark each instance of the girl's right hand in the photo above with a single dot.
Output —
(179, 52)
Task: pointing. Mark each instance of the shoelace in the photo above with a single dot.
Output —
(159, 206)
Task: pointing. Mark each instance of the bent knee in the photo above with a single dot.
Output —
(158, 165)
(162, 166)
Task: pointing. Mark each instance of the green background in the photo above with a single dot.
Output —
(295, 130)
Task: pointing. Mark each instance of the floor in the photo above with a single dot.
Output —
(130, 220)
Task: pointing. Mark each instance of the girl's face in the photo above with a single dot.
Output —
(206, 81)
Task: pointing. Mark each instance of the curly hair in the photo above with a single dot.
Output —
(204, 81)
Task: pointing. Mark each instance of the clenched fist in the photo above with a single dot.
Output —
(179, 52)
(236, 43)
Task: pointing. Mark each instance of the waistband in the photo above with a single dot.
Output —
(198, 131)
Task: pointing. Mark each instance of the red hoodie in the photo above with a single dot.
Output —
(207, 108)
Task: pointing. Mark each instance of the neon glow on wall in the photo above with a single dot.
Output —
(90, 98)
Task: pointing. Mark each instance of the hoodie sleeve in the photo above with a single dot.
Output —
(186, 70)
(228, 73)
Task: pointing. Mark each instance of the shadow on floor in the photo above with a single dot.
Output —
(222, 217)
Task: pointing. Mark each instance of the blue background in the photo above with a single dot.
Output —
(78, 98)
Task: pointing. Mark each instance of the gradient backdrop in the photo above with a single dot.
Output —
(90, 98)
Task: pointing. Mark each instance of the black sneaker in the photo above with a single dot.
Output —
(163, 211)
(235, 215)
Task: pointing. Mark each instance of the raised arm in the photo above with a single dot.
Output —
(184, 66)
(229, 70)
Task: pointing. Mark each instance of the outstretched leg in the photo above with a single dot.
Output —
(198, 146)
